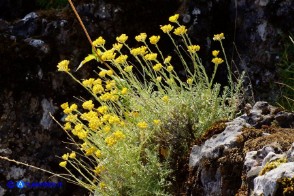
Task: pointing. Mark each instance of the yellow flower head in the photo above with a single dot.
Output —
(102, 109)
(99, 42)
(174, 18)
(151, 56)
(82, 135)
(88, 105)
(102, 185)
(72, 155)
(170, 81)
(190, 81)
(167, 60)
(124, 91)
(142, 125)
(65, 156)
(142, 50)
(106, 128)
(154, 39)
(217, 60)
(170, 68)
(117, 46)
(157, 67)
(165, 98)
(88, 83)
(62, 164)
(215, 53)
(99, 169)
(110, 141)
(159, 78)
(94, 123)
(128, 68)
(121, 59)
(218, 37)
(90, 151)
(102, 73)
(141, 38)
(181, 30)
(63, 66)
(98, 154)
(67, 126)
(156, 121)
(119, 135)
(71, 118)
(73, 107)
(193, 48)
(97, 81)
(122, 38)
(98, 88)
(64, 105)
(113, 119)
(166, 28)
(109, 72)
(108, 55)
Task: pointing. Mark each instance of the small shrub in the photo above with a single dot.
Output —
(142, 116)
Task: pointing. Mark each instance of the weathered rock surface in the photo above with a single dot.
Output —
(231, 162)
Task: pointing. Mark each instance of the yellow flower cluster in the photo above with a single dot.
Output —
(114, 138)
(193, 48)
(104, 72)
(151, 56)
(154, 39)
(121, 59)
(108, 55)
(141, 38)
(142, 50)
(166, 28)
(215, 53)
(90, 151)
(170, 68)
(80, 131)
(109, 96)
(99, 42)
(88, 105)
(117, 46)
(142, 125)
(67, 109)
(190, 81)
(63, 164)
(63, 66)
(165, 98)
(167, 60)
(99, 169)
(174, 18)
(181, 30)
(122, 38)
(157, 67)
(128, 68)
(218, 37)
(217, 60)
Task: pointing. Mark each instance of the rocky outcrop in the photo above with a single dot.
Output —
(249, 157)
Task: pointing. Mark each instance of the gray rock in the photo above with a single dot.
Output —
(15, 173)
(290, 154)
(2, 191)
(266, 184)
(48, 108)
(213, 147)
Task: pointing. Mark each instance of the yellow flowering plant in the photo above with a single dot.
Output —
(143, 115)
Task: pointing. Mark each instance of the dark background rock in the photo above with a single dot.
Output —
(33, 41)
